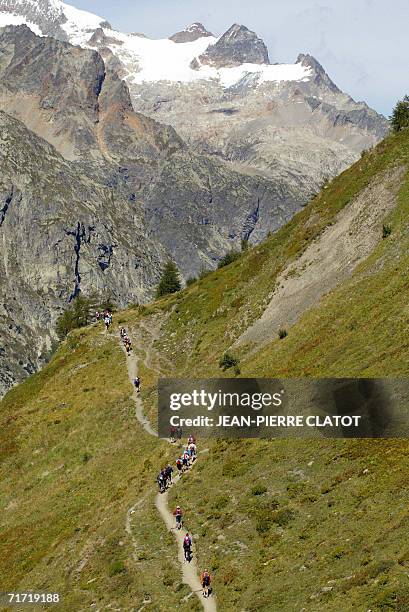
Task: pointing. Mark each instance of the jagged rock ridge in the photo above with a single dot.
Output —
(237, 46)
(191, 33)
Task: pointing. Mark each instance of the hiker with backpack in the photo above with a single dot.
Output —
(185, 461)
(179, 465)
(206, 580)
(187, 547)
(128, 345)
(169, 472)
(161, 482)
(192, 451)
(178, 514)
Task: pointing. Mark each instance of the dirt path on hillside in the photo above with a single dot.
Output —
(329, 260)
(132, 365)
(190, 571)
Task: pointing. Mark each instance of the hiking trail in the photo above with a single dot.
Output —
(190, 571)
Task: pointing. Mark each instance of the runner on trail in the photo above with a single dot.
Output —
(107, 321)
(191, 439)
(206, 580)
(192, 451)
(164, 473)
(128, 345)
(173, 434)
(169, 472)
(187, 547)
(97, 316)
(137, 383)
(122, 331)
(185, 461)
(179, 465)
(178, 514)
(161, 482)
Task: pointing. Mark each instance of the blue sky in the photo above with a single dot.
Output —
(362, 44)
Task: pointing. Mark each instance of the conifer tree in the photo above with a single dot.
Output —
(400, 115)
(170, 280)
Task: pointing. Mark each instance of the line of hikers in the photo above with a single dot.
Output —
(183, 463)
(205, 577)
(165, 476)
(126, 340)
(165, 480)
(105, 316)
(187, 458)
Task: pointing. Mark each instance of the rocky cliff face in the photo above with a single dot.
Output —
(66, 95)
(286, 122)
(237, 46)
(96, 197)
(61, 232)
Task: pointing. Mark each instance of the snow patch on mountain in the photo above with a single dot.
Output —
(8, 19)
(165, 60)
(50, 18)
(79, 24)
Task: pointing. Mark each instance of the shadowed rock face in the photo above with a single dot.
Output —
(66, 95)
(237, 46)
(192, 33)
(62, 231)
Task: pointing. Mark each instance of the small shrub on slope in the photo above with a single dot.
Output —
(228, 259)
(228, 361)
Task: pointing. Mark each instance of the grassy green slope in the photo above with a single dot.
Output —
(361, 328)
(291, 525)
(73, 461)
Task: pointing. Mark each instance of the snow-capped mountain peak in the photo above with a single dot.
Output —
(198, 55)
